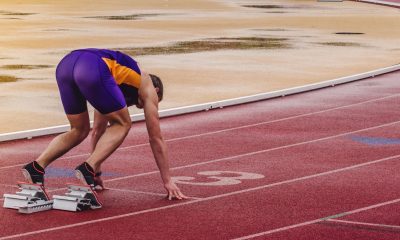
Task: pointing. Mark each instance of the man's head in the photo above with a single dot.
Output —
(157, 83)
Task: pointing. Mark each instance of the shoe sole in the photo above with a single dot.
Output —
(27, 176)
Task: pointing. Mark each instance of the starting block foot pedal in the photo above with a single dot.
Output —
(32, 198)
(78, 198)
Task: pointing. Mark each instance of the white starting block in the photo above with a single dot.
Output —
(78, 198)
(32, 198)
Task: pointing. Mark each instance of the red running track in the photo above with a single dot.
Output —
(316, 165)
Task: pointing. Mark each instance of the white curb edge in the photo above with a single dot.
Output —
(380, 2)
(211, 105)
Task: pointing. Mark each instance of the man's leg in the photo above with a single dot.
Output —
(100, 89)
(120, 124)
(99, 127)
(80, 127)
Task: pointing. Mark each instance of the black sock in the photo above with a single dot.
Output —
(90, 168)
(37, 166)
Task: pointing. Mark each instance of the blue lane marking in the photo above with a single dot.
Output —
(54, 172)
(376, 141)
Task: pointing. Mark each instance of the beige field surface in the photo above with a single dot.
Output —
(204, 50)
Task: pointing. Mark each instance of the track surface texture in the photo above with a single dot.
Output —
(317, 165)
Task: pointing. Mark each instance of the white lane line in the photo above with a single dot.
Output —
(134, 191)
(222, 196)
(229, 129)
(143, 192)
(380, 2)
(317, 220)
(377, 225)
(237, 157)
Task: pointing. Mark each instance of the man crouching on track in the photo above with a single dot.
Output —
(110, 81)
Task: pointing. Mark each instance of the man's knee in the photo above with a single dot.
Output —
(127, 124)
(124, 123)
(98, 131)
(80, 132)
(121, 118)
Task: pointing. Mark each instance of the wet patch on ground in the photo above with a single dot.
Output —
(60, 30)
(277, 12)
(349, 33)
(212, 44)
(281, 7)
(7, 78)
(267, 6)
(7, 13)
(56, 30)
(271, 29)
(285, 8)
(11, 18)
(24, 67)
(128, 17)
(13, 15)
(340, 44)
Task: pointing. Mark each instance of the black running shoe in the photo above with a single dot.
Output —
(33, 173)
(85, 173)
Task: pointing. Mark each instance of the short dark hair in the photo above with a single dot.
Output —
(157, 83)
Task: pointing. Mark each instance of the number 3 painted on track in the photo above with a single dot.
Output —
(221, 180)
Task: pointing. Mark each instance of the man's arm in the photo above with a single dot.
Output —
(157, 143)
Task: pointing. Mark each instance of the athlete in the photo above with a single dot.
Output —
(110, 81)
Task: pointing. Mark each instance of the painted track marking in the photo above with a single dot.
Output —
(230, 129)
(255, 152)
(230, 194)
(365, 224)
(142, 192)
(134, 191)
(219, 180)
(236, 157)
